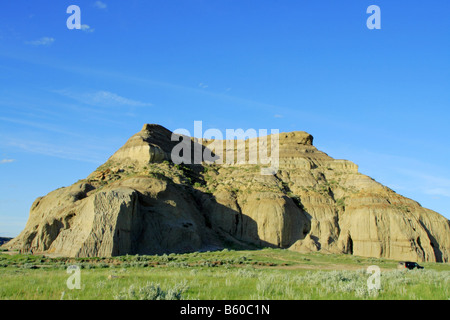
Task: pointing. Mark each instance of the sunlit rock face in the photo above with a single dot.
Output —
(140, 202)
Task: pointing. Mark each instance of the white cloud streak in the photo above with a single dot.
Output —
(438, 192)
(86, 28)
(100, 5)
(103, 99)
(44, 41)
(86, 153)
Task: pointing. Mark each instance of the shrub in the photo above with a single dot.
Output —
(340, 202)
(174, 264)
(152, 291)
(87, 266)
(165, 258)
(246, 273)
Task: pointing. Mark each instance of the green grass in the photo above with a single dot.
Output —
(227, 274)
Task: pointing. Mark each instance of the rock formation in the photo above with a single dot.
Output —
(140, 202)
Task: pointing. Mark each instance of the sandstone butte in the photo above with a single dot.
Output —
(140, 202)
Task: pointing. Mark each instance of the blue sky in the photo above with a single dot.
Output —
(70, 98)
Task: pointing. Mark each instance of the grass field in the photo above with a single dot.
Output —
(232, 275)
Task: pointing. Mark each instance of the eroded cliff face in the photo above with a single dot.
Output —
(139, 202)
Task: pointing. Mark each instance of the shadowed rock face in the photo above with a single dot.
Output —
(139, 202)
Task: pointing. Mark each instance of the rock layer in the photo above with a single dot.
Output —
(140, 202)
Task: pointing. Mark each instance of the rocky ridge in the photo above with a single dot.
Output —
(140, 202)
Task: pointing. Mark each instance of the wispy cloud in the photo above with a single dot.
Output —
(438, 192)
(7, 161)
(100, 5)
(179, 89)
(202, 85)
(86, 153)
(103, 99)
(412, 176)
(109, 98)
(86, 28)
(40, 125)
(44, 41)
(278, 116)
(431, 184)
